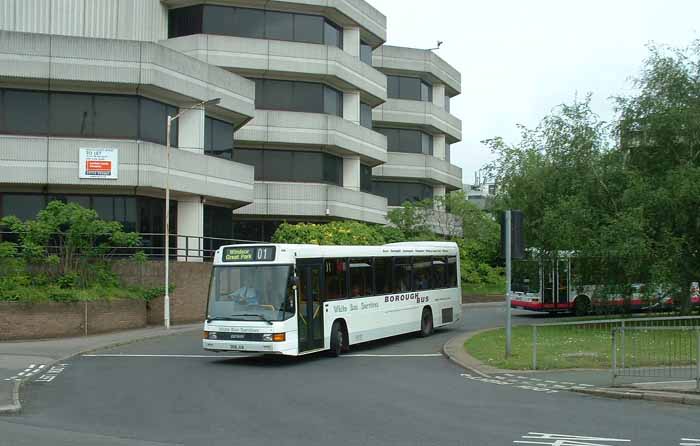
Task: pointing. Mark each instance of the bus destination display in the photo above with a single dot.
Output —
(249, 254)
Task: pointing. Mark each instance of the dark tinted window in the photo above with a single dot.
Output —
(153, 121)
(407, 141)
(447, 152)
(365, 53)
(307, 166)
(392, 137)
(410, 141)
(365, 115)
(218, 138)
(249, 23)
(365, 178)
(71, 114)
(332, 170)
(22, 206)
(185, 21)
(277, 95)
(24, 112)
(361, 277)
(447, 103)
(279, 25)
(308, 28)
(332, 35)
(308, 97)
(277, 165)
(422, 272)
(452, 272)
(255, 23)
(401, 274)
(382, 275)
(426, 144)
(116, 116)
(397, 193)
(332, 101)
(218, 20)
(439, 272)
(412, 88)
(335, 278)
(252, 157)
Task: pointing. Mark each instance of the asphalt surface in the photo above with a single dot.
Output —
(367, 399)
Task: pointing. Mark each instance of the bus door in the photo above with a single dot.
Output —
(563, 283)
(548, 279)
(310, 308)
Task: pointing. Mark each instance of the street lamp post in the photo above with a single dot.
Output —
(166, 299)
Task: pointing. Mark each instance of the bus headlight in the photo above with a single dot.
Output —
(274, 337)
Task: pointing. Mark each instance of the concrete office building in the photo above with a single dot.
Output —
(304, 122)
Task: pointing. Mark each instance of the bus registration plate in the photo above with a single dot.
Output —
(237, 347)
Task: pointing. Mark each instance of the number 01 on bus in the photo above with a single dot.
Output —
(299, 299)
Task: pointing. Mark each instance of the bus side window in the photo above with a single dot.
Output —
(439, 272)
(452, 272)
(421, 273)
(382, 275)
(402, 274)
(335, 279)
(360, 277)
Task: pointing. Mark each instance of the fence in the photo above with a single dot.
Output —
(588, 343)
(184, 248)
(668, 352)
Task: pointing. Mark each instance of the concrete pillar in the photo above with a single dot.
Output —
(439, 95)
(439, 191)
(439, 146)
(351, 41)
(191, 131)
(351, 106)
(351, 172)
(190, 229)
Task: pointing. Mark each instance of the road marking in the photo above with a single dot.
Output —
(124, 355)
(663, 382)
(689, 442)
(32, 370)
(51, 373)
(371, 355)
(567, 440)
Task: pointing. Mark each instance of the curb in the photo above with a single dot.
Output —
(16, 406)
(628, 394)
(453, 349)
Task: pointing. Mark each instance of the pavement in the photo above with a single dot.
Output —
(586, 381)
(398, 391)
(24, 360)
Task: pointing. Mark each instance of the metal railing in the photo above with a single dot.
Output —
(587, 343)
(661, 352)
(184, 248)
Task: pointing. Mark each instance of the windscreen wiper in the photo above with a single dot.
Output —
(221, 318)
(254, 315)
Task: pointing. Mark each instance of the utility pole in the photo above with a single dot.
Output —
(508, 284)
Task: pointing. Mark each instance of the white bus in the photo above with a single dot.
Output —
(299, 299)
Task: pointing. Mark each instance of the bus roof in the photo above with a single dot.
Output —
(288, 252)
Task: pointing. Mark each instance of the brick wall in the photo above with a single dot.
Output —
(188, 300)
(58, 319)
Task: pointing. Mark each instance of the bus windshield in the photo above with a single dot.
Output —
(251, 293)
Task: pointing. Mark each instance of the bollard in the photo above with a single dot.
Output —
(697, 371)
(534, 347)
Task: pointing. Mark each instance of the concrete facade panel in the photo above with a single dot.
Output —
(23, 160)
(415, 166)
(101, 18)
(7, 14)
(67, 17)
(33, 16)
(417, 61)
(421, 113)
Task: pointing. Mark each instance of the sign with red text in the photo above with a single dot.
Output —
(99, 163)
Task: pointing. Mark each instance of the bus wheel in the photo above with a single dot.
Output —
(426, 323)
(582, 306)
(337, 339)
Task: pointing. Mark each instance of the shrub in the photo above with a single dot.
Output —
(334, 233)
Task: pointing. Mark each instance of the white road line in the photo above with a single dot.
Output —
(120, 355)
(371, 355)
(662, 382)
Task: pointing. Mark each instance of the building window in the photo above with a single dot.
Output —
(407, 140)
(85, 115)
(365, 53)
(253, 23)
(292, 166)
(297, 96)
(218, 138)
(365, 115)
(365, 178)
(411, 88)
(398, 193)
(447, 103)
(447, 152)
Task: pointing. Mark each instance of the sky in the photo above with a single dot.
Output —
(519, 59)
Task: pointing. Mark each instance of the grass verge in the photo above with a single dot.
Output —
(564, 347)
(469, 289)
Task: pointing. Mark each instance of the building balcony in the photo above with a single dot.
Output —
(272, 128)
(315, 200)
(418, 166)
(29, 160)
(300, 61)
(419, 114)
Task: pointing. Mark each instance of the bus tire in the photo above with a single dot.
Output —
(426, 323)
(337, 339)
(582, 306)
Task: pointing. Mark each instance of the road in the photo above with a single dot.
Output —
(370, 397)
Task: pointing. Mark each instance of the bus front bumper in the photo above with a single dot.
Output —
(279, 348)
